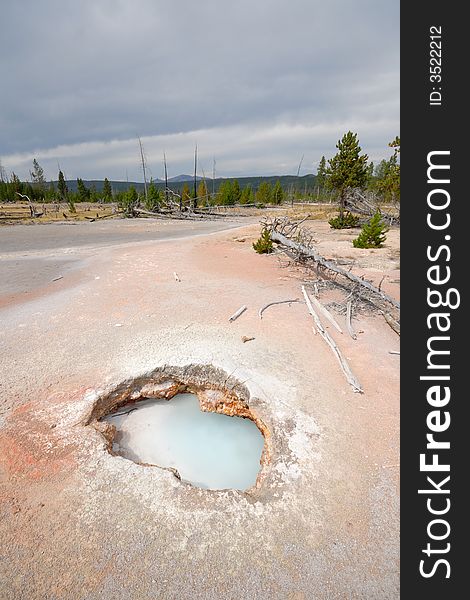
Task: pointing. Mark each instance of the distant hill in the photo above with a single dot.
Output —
(182, 178)
(176, 183)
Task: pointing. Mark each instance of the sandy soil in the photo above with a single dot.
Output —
(79, 523)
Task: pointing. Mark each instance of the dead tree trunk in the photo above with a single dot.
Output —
(311, 253)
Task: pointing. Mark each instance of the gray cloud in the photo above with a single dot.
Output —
(106, 70)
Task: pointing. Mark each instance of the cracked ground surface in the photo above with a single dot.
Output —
(79, 523)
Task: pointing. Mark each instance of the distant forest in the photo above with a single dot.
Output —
(347, 170)
(286, 181)
(224, 190)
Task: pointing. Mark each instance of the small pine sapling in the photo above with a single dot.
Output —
(372, 234)
(345, 221)
(264, 245)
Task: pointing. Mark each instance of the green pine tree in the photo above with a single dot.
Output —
(152, 202)
(51, 192)
(347, 169)
(236, 192)
(15, 185)
(62, 188)
(387, 175)
(107, 191)
(372, 234)
(82, 191)
(185, 194)
(37, 177)
(94, 197)
(202, 193)
(321, 173)
(247, 196)
(278, 193)
(224, 194)
(264, 195)
(264, 244)
(129, 201)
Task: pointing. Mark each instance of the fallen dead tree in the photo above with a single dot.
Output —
(167, 214)
(100, 217)
(34, 213)
(298, 245)
(358, 202)
(186, 214)
(311, 253)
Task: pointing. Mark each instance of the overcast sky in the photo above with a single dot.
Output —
(256, 84)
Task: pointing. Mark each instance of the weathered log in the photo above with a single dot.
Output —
(98, 217)
(311, 253)
(353, 382)
(239, 312)
(142, 211)
(326, 313)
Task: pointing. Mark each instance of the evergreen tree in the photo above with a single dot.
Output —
(347, 169)
(321, 173)
(132, 195)
(202, 196)
(15, 181)
(51, 192)
(396, 144)
(93, 194)
(83, 192)
(152, 202)
(264, 244)
(278, 193)
(347, 222)
(37, 177)
(185, 194)
(372, 234)
(107, 191)
(387, 174)
(264, 195)
(3, 191)
(71, 203)
(15, 187)
(236, 192)
(129, 201)
(28, 190)
(62, 188)
(225, 195)
(248, 196)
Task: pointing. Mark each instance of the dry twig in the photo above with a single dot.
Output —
(395, 325)
(261, 310)
(351, 331)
